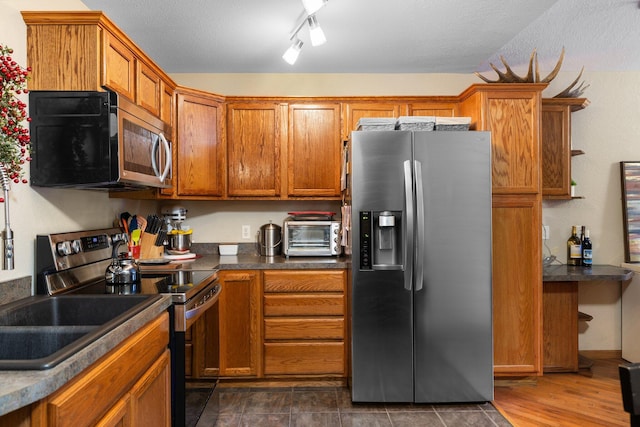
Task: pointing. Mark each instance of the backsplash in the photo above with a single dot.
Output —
(15, 289)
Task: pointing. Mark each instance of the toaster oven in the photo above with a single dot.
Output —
(311, 238)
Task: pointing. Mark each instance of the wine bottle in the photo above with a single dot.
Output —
(587, 253)
(574, 249)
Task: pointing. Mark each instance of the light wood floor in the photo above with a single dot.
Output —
(588, 398)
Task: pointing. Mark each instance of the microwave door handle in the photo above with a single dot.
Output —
(167, 151)
(154, 151)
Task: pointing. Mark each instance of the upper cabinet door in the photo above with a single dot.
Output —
(254, 145)
(120, 67)
(355, 111)
(314, 150)
(439, 109)
(512, 113)
(201, 151)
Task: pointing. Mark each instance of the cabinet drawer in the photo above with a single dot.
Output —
(303, 305)
(304, 281)
(303, 329)
(304, 358)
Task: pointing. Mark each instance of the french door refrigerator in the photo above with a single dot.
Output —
(421, 321)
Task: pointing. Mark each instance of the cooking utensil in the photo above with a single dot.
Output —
(135, 236)
(142, 223)
(133, 224)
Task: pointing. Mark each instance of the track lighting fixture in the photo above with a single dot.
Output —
(315, 32)
(291, 55)
(312, 6)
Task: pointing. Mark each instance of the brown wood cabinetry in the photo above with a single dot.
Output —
(200, 153)
(353, 111)
(255, 148)
(86, 51)
(512, 113)
(240, 312)
(556, 145)
(304, 323)
(314, 150)
(130, 386)
(439, 109)
(203, 346)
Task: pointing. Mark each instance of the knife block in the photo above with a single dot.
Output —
(148, 248)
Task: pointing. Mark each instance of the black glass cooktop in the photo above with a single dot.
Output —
(182, 284)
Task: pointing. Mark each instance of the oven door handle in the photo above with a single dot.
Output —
(193, 314)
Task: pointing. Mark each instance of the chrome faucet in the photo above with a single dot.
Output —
(7, 234)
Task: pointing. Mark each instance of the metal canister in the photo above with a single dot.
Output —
(270, 240)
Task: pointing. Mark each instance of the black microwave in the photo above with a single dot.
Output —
(96, 140)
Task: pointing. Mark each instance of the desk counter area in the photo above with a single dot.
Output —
(560, 311)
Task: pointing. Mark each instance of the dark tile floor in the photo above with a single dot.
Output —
(332, 407)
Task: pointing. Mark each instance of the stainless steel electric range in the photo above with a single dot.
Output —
(76, 262)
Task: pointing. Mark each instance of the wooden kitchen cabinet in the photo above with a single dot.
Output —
(255, 134)
(354, 111)
(314, 150)
(202, 358)
(512, 113)
(556, 145)
(304, 323)
(240, 314)
(200, 148)
(434, 108)
(85, 50)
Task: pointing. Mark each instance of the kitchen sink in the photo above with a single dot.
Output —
(40, 332)
(68, 310)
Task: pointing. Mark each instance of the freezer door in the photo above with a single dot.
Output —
(381, 311)
(453, 319)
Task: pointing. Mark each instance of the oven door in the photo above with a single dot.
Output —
(192, 310)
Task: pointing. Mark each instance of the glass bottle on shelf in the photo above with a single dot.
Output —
(574, 249)
(587, 253)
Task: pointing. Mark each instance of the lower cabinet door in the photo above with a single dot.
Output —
(151, 395)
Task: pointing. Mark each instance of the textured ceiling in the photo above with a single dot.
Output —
(381, 36)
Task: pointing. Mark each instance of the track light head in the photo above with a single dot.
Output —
(315, 32)
(312, 6)
(291, 55)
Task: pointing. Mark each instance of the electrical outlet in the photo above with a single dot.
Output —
(545, 232)
(246, 231)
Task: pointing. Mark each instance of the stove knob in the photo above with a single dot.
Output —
(76, 246)
(64, 248)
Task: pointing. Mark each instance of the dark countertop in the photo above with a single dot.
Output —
(568, 273)
(256, 262)
(20, 388)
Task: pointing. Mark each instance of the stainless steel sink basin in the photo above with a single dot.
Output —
(40, 332)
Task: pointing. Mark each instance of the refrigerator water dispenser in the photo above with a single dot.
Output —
(381, 240)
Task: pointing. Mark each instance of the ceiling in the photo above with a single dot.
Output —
(377, 36)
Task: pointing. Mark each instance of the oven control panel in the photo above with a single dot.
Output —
(62, 251)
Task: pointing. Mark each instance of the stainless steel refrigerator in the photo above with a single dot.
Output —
(421, 321)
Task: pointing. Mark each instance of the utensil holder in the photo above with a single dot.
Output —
(148, 248)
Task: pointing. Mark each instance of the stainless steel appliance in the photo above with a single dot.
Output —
(270, 240)
(76, 263)
(311, 237)
(421, 322)
(96, 140)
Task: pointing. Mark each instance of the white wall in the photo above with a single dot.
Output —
(607, 130)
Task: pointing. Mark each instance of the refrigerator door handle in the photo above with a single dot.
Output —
(408, 235)
(420, 246)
